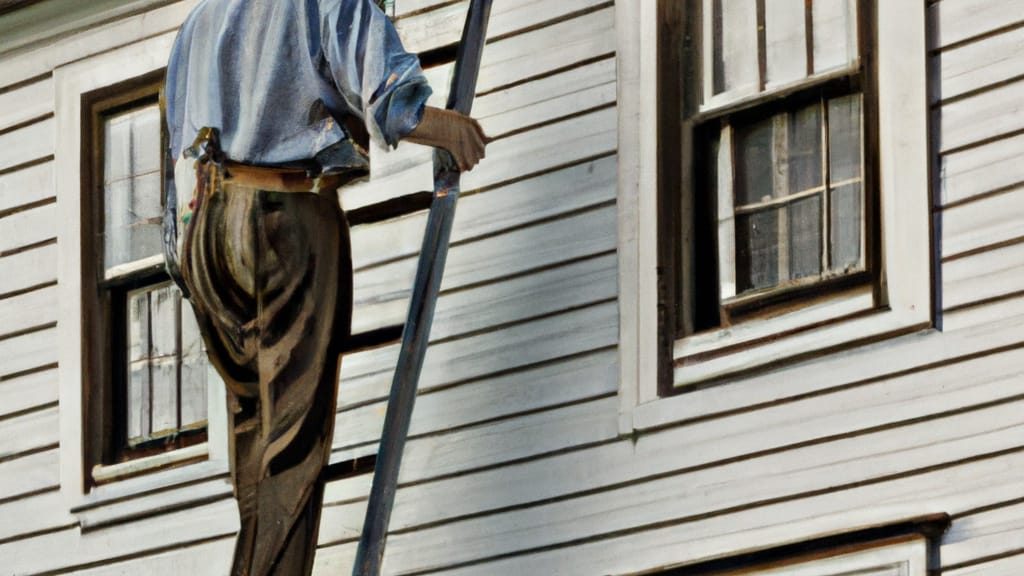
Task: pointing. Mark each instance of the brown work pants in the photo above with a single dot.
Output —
(270, 277)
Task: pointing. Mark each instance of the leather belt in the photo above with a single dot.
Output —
(284, 179)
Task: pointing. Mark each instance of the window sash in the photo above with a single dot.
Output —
(767, 54)
(733, 295)
(132, 425)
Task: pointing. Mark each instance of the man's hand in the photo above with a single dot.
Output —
(455, 132)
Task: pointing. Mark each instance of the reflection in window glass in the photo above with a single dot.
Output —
(131, 186)
(798, 195)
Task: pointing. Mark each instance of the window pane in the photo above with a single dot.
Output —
(754, 162)
(138, 365)
(805, 149)
(785, 40)
(117, 155)
(146, 140)
(194, 368)
(805, 237)
(165, 396)
(138, 402)
(846, 222)
(735, 44)
(757, 250)
(131, 183)
(844, 122)
(165, 313)
(835, 34)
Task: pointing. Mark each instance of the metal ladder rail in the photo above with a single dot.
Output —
(415, 335)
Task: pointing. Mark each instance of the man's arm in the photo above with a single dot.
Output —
(455, 132)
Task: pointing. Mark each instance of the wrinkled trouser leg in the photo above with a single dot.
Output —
(270, 279)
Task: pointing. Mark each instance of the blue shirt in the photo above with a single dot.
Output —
(279, 77)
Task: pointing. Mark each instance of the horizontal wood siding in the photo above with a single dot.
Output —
(924, 423)
(515, 463)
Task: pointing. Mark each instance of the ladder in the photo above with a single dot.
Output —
(416, 331)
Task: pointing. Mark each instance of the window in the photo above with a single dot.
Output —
(774, 195)
(148, 388)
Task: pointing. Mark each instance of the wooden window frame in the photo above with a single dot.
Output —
(654, 363)
(153, 483)
(690, 251)
(906, 548)
(105, 296)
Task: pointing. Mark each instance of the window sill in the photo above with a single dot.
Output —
(842, 334)
(707, 346)
(103, 474)
(158, 491)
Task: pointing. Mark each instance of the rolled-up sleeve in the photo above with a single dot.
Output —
(377, 78)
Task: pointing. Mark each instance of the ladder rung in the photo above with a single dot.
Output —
(350, 468)
(373, 338)
(389, 209)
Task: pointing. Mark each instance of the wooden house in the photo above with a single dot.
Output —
(739, 287)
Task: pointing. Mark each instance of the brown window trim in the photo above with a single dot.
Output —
(930, 527)
(685, 302)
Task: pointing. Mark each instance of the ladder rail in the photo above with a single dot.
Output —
(427, 284)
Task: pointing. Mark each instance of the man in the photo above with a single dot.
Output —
(273, 95)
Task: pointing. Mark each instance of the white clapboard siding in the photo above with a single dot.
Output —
(573, 91)
(403, 8)
(964, 334)
(518, 251)
(25, 186)
(453, 361)
(987, 534)
(509, 159)
(528, 390)
(29, 474)
(914, 397)
(27, 351)
(1008, 566)
(775, 477)
(977, 170)
(951, 489)
(27, 432)
(960, 20)
(504, 255)
(990, 274)
(988, 61)
(541, 198)
(482, 306)
(76, 548)
(339, 524)
(203, 559)
(26, 144)
(443, 25)
(518, 107)
(28, 269)
(26, 103)
(39, 61)
(161, 502)
(28, 391)
(482, 446)
(989, 221)
(29, 310)
(521, 298)
(35, 513)
(490, 444)
(987, 115)
(348, 489)
(28, 227)
(531, 54)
